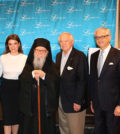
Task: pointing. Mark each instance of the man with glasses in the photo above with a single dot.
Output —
(105, 84)
(39, 71)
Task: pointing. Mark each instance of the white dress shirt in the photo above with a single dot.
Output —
(106, 51)
(64, 60)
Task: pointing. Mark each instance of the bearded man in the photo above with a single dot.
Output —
(40, 69)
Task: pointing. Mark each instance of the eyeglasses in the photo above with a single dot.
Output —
(101, 37)
(64, 41)
(40, 51)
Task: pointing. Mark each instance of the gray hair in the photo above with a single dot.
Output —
(66, 33)
(108, 32)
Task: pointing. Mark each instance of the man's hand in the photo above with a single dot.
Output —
(76, 107)
(91, 107)
(117, 111)
(36, 75)
(39, 74)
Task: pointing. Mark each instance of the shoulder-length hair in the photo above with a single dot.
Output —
(12, 37)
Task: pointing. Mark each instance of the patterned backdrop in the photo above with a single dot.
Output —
(31, 19)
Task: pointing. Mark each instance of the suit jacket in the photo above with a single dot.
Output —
(73, 81)
(105, 89)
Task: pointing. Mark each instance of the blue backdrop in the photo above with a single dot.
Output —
(31, 19)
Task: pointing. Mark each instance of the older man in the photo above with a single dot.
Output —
(105, 83)
(39, 69)
(72, 65)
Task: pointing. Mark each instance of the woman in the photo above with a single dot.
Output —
(12, 62)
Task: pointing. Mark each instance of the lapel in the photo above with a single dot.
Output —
(58, 62)
(108, 59)
(68, 62)
(95, 60)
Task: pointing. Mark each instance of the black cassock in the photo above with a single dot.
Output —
(48, 100)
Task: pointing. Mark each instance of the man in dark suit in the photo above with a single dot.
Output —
(73, 83)
(105, 83)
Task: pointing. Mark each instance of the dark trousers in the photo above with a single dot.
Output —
(106, 122)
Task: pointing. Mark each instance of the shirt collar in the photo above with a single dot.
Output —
(65, 55)
(106, 50)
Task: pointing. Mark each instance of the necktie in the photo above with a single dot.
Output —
(100, 62)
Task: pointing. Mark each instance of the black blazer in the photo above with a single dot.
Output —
(105, 89)
(73, 81)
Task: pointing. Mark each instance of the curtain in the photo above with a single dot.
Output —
(31, 19)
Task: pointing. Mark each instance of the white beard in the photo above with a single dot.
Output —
(38, 63)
